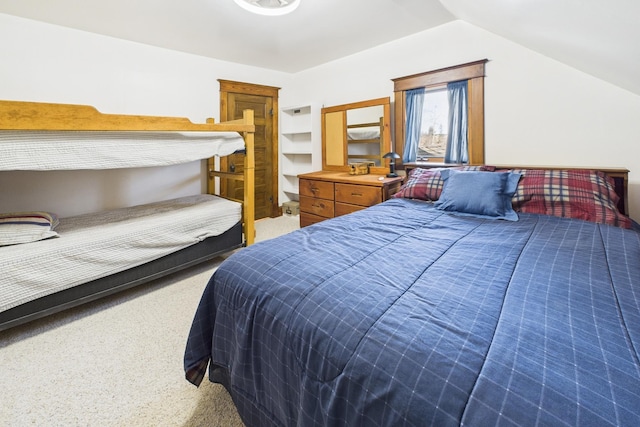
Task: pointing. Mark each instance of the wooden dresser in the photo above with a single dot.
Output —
(327, 194)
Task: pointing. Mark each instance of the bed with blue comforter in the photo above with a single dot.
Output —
(434, 320)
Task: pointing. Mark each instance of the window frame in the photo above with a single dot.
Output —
(474, 73)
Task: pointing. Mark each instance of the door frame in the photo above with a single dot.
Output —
(229, 86)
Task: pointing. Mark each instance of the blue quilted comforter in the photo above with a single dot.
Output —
(402, 315)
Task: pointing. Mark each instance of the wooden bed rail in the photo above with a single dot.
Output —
(20, 115)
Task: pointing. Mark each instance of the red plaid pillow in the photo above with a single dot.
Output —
(580, 194)
(426, 184)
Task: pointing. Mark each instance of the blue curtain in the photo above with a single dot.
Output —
(415, 101)
(457, 141)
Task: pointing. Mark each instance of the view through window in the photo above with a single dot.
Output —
(434, 125)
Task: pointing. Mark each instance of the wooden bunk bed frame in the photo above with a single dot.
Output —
(33, 116)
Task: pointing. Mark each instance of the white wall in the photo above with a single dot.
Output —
(47, 63)
(538, 111)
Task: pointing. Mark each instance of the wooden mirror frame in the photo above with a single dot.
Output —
(385, 134)
(474, 73)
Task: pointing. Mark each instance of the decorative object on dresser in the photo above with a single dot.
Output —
(326, 194)
(360, 168)
(392, 156)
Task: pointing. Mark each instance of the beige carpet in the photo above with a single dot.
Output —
(117, 361)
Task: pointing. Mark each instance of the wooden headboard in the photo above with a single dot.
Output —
(620, 176)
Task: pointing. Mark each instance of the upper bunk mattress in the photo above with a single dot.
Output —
(92, 246)
(50, 150)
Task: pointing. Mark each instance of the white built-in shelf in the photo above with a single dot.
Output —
(295, 164)
(296, 146)
(296, 132)
(296, 120)
(290, 186)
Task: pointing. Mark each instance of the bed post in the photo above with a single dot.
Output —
(249, 181)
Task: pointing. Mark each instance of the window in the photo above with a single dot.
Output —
(433, 129)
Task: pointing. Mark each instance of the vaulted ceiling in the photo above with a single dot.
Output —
(599, 37)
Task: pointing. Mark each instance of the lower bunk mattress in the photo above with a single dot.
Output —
(93, 246)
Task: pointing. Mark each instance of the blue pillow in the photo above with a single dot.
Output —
(479, 194)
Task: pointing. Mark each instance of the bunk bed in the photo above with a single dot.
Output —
(50, 264)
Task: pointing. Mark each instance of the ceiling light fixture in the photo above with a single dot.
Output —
(269, 7)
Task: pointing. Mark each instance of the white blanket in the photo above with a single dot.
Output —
(46, 150)
(96, 245)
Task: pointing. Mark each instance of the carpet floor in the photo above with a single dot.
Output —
(117, 361)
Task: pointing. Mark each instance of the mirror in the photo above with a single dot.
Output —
(355, 133)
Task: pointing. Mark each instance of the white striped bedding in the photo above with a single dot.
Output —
(92, 246)
(50, 150)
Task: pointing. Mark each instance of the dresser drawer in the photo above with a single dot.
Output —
(319, 189)
(362, 195)
(320, 207)
(308, 219)
(345, 208)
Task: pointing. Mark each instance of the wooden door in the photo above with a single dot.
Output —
(236, 97)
